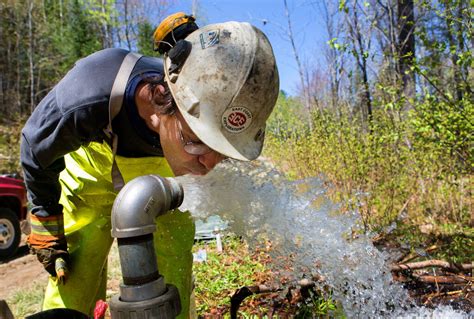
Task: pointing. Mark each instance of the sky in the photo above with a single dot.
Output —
(269, 16)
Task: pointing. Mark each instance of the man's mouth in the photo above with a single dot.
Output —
(199, 172)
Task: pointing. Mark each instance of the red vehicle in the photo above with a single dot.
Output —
(13, 209)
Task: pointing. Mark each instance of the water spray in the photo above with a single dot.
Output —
(300, 220)
(143, 293)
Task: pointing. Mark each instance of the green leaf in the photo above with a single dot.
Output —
(342, 5)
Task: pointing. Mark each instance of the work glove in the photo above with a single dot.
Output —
(48, 243)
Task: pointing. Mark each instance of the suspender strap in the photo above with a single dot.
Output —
(115, 104)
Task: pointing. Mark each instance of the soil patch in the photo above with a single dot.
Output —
(20, 272)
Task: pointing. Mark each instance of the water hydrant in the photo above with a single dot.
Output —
(143, 293)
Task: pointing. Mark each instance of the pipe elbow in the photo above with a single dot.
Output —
(141, 201)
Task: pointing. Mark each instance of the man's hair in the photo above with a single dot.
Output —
(161, 99)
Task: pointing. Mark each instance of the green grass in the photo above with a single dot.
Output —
(221, 274)
(27, 301)
(319, 306)
(114, 272)
(218, 278)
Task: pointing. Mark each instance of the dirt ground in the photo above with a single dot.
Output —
(23, 270)
(20, 272)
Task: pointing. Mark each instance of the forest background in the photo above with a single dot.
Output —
(387, 119)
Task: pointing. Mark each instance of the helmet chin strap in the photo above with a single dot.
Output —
(167, 43)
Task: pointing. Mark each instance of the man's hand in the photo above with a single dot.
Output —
(48, 243)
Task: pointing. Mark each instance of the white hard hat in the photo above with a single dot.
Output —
(227, 87)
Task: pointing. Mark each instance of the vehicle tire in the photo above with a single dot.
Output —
(10, 233)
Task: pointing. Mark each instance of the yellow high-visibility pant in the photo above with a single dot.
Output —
(87, 197)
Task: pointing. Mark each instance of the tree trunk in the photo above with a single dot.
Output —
(194, 8)
(18, 94)
(61, 19)
(31, 55)
(455, 34)
(464, 69)
(334, 56)
(107, 41)
(127, 26)
(361, 54)
(406, 45)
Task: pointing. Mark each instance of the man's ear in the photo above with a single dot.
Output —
(160, 89)
(161, 96)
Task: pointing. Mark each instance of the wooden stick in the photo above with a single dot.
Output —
(454, 280)
(433, 263)
(412, 255)
(242, 293)
(246, 291)
(442, 279)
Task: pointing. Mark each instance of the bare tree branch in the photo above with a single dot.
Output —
(433, 263)
(298, 62)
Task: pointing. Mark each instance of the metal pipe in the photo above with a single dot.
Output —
(140, 202)
(133, 223)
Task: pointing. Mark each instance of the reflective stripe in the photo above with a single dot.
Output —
(47, 226)
(35, 218)
(47, 223)
(51, 230)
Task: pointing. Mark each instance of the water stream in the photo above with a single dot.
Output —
(305, 231)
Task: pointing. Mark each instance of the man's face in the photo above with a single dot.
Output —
(174, 134)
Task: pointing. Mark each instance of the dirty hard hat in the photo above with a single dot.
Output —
(226, 87)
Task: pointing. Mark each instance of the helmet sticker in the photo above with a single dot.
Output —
(209, 38)
(236, 119)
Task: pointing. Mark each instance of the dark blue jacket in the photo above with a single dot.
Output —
(74, 113)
